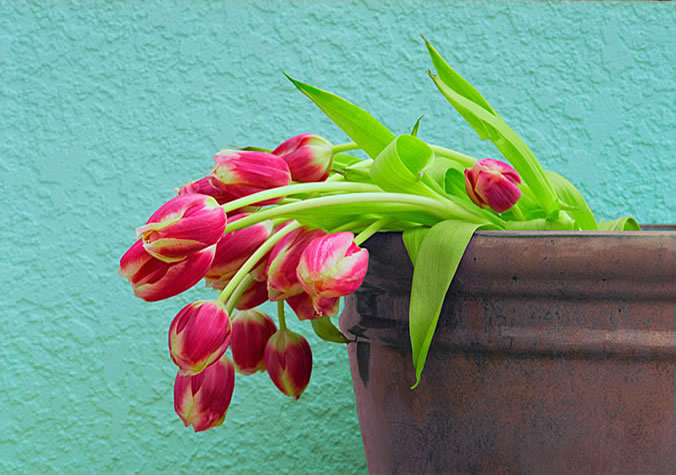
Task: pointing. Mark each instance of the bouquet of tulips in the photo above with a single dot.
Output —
(286, 225)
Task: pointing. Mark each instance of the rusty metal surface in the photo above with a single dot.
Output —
(554, 354)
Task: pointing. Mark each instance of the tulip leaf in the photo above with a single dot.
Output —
(414, 131)
(331, 216)
(459, 84)
(512, 147)
(359, 125)
(626, 223)
(439, 253)
(327, 331)
(401, 165)
(577, 207)
(412, 240)
(343, 160)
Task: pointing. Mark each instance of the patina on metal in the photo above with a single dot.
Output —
(554, 353)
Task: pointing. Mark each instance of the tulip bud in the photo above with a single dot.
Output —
(242, 173)
(332, 266)
(288, 360)
(307, 307)
(234, 249)
(283, 260)
(203, 399)
(153, 279)
(492, 183)
(181, 226)
(199, 335)
(255, 295)
(203, 186)
(251, 330)
(309, 157)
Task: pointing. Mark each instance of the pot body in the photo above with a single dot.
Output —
(554, 353)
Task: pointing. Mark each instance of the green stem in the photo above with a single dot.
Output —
(518, 214)
(363, 164)
(345, 147)
(280, 315)
(405, 201)
(241, 288)
(255, 257)
(297, 189)
(370, 231)
(464, 160)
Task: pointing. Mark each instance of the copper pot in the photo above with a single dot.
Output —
(554, 353)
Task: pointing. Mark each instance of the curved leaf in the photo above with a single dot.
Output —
(512, 147)
(400, 166)
(327, 331)
(577, 208)
(359, 125)
(436, 261)
(626, 223)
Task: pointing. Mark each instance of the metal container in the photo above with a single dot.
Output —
(554, 353)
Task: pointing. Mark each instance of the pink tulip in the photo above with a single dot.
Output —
(492, 183)
(153, 279)
(309, 157)
(234, 249)
(251, 330)
(203, 186)
(288, 360)
(242, 173)
(203, 399)
(199, 335)
(307, 307)
(283, 260)
(181, 226)
(255, 295)
(332, 266)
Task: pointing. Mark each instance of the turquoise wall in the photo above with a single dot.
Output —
(105, 107)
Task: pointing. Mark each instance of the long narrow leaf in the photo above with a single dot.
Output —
(455, 81)
(626, 223)
(412, 240)
(327, 331)
(436, 261)
(399, 166)
(509, 144)
(359, 125)
(566, 191)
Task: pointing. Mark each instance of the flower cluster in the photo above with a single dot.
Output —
(286, 224)
(187, 239)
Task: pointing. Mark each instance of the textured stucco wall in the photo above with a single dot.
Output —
(105, 107)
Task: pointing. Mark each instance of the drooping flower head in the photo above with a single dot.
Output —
(332, 266)
(202, 400)
(283, 261)
(234, 249)
(492, 183)
(309, 157)
(181, 226)
(288, 360)
(153, 279)
(242, 173)
(199, 335)
(251, 330)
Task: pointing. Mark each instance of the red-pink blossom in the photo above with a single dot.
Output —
(153, 279)
(288, 361)
(332, 266)
(309, 157)
(181, 226)
(251, 330)
(492, 183)
(202, 400)
(242, 173)
(199, 335)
